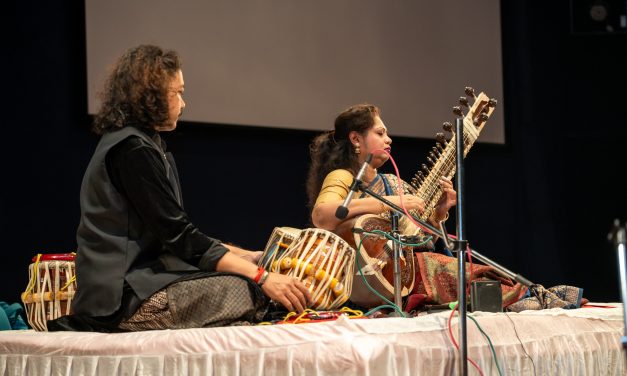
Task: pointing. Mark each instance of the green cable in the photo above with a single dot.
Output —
(395, 307)
(375, 309)
(388, 236)
(490, 343)
(361, 273)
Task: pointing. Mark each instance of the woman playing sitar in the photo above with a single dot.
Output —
(335, 159)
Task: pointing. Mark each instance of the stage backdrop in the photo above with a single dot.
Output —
(296, 64)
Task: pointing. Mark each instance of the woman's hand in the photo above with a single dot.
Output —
(410, 201)
(446, 202)
(288, 291)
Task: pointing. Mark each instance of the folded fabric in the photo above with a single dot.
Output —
(562, 296)
(436, 281)
(11, 317)
(5, 324)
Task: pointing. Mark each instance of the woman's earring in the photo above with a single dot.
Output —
(357, 149)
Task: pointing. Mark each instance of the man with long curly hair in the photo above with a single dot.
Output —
(141, 264)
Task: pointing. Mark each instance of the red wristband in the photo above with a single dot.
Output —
(260, 271)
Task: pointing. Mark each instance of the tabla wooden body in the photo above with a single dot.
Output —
(51, 287)
(278, 243)
(324, 263)
(375, 259)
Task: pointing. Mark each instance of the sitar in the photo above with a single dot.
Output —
(375, 256)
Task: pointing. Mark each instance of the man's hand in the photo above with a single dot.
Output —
(288, 291)
(251, 256)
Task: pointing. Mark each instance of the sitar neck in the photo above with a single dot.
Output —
(442, 156)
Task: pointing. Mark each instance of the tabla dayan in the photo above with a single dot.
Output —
(51, 287)
(324, 263)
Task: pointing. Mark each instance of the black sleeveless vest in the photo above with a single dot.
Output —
(113, 245)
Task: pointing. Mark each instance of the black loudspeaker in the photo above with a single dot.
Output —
(486, 296)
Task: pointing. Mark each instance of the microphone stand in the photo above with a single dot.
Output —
(447, 240)
(460, 246)
(618, 236)
(398, 300)
(396, 248)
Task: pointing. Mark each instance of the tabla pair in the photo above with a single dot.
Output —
(323, 261)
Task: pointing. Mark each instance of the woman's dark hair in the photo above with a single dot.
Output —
(333, 150)
(136, 91)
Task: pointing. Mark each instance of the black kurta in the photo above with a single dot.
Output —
(134, 236)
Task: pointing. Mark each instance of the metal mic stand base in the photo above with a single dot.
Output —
(618, 236)
(396, 247)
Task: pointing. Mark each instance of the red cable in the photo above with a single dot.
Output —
(450, 332)
(400, 191)
(400, 194)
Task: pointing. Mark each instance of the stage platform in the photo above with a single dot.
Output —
(585, 341)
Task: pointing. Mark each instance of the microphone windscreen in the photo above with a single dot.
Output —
(341, 212)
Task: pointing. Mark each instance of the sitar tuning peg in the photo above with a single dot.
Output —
(425, 168)
(458, 111)
(414, 182)
(482, 118)
(463, 101)
(418, 179)
(492, 102)
(438, 145)
(447, 126)
(441, 138)
(469, 91)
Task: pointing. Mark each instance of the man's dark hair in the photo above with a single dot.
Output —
(136, 91)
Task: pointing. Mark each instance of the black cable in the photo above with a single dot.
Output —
(521, 344)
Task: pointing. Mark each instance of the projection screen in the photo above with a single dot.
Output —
(297, 64)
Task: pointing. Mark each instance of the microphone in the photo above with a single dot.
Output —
(342, 211)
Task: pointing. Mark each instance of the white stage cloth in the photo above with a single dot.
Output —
(584, 341)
